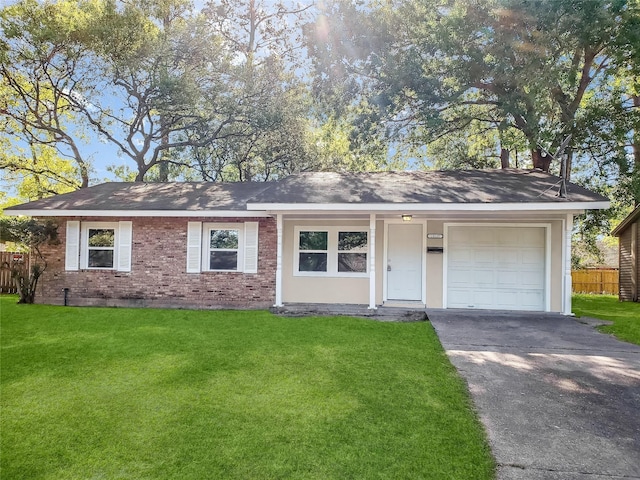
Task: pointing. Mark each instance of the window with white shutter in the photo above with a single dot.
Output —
(105, 245)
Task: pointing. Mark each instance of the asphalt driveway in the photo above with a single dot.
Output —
(559, 400)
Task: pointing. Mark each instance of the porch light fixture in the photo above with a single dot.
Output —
(406, 218)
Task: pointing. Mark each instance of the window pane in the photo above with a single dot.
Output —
(223, 261)
(352, 262)
(313, 262)
(100, 259)
(313, 240)
(352, 240)
(101, 237)
(224, 239)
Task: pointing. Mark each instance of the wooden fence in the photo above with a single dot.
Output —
(22, 259)
(596, 281)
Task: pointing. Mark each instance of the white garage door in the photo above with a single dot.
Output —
(496, 267)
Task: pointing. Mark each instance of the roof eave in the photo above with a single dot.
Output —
(437, 207)
(632, 217)
(134, 213)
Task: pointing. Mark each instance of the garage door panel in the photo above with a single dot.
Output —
(531, 299)
(496, 267)
(483, 277)
(531, 280)
(507, 237)
(460, 257)
(531, 237)
(480, 298)
(459, 277)
(508, 257)
(532, 256)
(483, 255)
(506, 279)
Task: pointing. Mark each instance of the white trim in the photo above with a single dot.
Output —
(332, 250)
(567, 232)
(72, 246)
(422, 207)
(194, 247)
(398, 221)
(279, 226)
(84, 244)
(372, 261)
(138, 213)
(547, 253)
(206, 235)
(125, 240)
(251, 247)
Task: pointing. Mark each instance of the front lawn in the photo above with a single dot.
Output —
(625, 315)
(166, 394)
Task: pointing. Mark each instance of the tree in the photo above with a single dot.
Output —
(268, 138)
(510, 64)
(36, 120)
(33, 234)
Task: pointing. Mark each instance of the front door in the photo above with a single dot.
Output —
(404, 262)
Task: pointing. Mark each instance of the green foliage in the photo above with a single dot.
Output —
(32, 234)
(434, 70)
(165, 394)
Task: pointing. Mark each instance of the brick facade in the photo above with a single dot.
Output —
(158, 275)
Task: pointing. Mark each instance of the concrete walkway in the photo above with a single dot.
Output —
(559, 400)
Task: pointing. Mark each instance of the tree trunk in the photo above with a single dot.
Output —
(504, 158)
(540, 160)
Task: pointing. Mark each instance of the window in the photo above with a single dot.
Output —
(313, 251)
(352, 252)
(331, 251)
(98, 245)
(101, 247)
(222, 247)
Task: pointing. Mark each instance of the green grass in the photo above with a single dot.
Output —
(97, 393)
(625, 315)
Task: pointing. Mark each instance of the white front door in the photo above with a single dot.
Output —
(404, 262)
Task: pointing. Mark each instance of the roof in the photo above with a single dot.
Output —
(627, 222)
(171, 197)
(464, 189)
(446, 186)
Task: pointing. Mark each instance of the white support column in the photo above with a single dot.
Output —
(279, 226)
(372, 261)
(568, 230)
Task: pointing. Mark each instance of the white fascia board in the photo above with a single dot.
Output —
(138, 213)
(427, 207)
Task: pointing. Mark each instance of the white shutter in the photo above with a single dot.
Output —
(194, 246)
(251, 247)
(72, 250)
(125, 233)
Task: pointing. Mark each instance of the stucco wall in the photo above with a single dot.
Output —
(356, 290)
(158, 275)
(306, 289)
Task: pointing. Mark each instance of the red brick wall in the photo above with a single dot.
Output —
(158, 275)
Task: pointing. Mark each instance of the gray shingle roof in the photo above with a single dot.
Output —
(179, 196)
(433, 187)
(447, 186)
